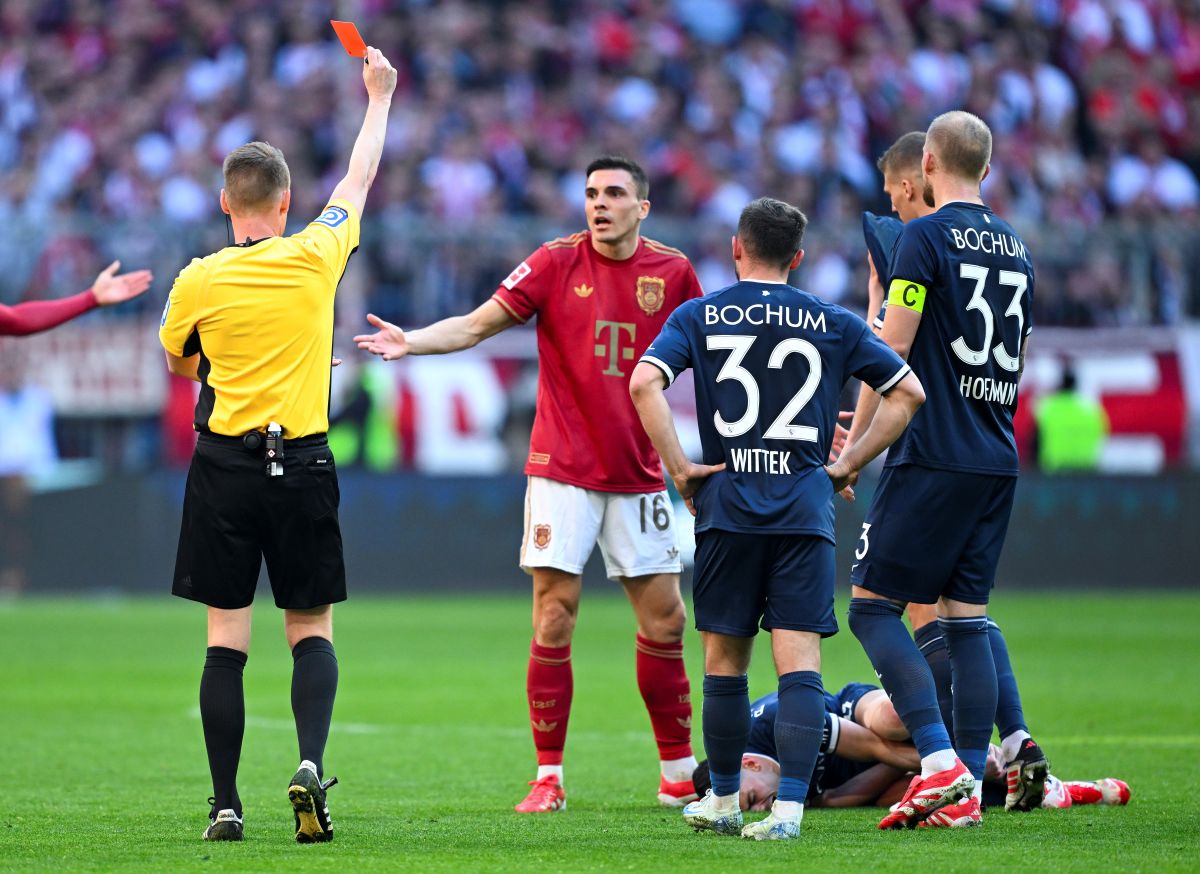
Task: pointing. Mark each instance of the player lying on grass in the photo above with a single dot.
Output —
(857, 768)
(42, 315)
(1025, 762)
(600, 296)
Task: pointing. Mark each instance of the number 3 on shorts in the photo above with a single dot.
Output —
(861, 552)
(658, 512)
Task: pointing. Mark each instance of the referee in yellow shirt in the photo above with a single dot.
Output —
(253, 324)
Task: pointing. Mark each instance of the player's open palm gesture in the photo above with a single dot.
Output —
(389, 341)
(110, 288)
(689, 480)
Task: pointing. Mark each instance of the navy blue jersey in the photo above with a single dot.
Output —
(762, 725)
(770, 362)
(881, 233)
(971, 277)
(830, 769)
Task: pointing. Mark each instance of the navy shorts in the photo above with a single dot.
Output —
(933, 533)
(847, 698)
(781, 581)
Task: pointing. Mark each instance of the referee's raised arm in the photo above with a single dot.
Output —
(380, 78)
(253, 324)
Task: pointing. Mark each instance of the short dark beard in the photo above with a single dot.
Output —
(927, 194)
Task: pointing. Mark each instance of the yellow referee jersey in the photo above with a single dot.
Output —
(261, 318)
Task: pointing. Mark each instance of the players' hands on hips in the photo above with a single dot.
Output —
(379, 76)
(691, 478)
(389, 341)
(110, 288)
(842, 478)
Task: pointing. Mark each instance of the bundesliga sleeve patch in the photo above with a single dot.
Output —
(332, 217)
(522, 270)
(907, 295)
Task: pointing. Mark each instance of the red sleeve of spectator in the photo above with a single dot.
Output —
(41, 315)
(525, 290)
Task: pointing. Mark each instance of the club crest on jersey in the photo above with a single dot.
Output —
(651, 293)
(520, 272)
(541, 536)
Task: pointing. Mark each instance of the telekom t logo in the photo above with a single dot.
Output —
(612, 347)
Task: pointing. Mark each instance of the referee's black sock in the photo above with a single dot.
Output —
(223, 713)
(314, 685)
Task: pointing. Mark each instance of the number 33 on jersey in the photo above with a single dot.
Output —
(970, 277)
(770, 362)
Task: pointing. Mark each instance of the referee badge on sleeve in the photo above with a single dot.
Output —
(332, 217)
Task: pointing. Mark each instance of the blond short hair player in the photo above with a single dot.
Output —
(600, 296)
(253, 324)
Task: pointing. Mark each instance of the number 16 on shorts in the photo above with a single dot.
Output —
(564, 523)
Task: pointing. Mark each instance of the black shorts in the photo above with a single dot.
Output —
(234, 515)
(785, 581)
(934, 533)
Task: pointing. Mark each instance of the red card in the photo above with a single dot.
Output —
(352, 41)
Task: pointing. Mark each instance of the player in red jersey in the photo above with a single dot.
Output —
(41, 315)
(601, 296)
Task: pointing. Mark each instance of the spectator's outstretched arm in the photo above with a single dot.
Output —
(448, 335)
(380, 78)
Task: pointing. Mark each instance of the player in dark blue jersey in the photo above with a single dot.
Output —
(904, 185)
(769, 361)
(959, 294)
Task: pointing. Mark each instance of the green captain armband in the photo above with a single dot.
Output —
(908, 295)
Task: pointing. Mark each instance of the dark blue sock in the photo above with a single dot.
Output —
(905, 676)
(974, 688)
(933, 646)
(726, 727)
(1010, 716)
(799, 725)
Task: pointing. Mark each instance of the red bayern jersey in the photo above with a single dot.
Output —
(596, 316)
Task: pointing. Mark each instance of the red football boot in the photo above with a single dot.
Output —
(1109, 790)
(546, 796)
(962, 815)
(675, 794)
(924, 796)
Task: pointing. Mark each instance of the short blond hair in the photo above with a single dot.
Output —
(256, 174)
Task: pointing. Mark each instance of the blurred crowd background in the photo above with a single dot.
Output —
(115, 116)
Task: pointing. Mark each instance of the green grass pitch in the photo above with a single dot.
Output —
(104, 766)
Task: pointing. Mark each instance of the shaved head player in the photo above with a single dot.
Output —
(600, 297)
(959, 304)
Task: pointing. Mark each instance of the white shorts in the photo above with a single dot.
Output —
(563, 523)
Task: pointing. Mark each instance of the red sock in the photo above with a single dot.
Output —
(549, 685)
(663, 682)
